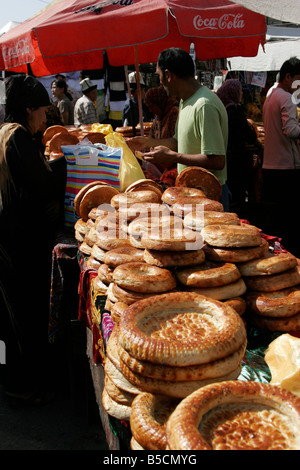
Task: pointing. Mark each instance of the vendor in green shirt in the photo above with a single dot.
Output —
(202, 127)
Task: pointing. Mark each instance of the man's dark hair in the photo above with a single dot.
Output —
(291, 66)
(176, 61)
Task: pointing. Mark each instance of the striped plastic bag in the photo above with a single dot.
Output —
(87, 163)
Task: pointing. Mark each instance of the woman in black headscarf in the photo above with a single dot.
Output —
(240, 133)
(30, 212)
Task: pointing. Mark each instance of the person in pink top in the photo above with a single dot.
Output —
(281, 161)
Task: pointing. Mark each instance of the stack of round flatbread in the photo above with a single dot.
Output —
(236, 415)
(171, 344)
(273, 296)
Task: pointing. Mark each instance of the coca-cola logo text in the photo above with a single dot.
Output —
(20, 49)
(226, 21)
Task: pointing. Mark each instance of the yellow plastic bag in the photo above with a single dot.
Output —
(102, 128)
(130, 169)
(283, 359)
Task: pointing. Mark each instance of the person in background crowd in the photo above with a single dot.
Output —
(31, 199)
(240, 133)
(64, 103)
(281, 163)
(165, 111)
(202, 126)
(85, 109)
(131, 108)
(74, 94)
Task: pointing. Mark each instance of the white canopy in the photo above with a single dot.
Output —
(276, 52)
(8, 26)
(282, 10)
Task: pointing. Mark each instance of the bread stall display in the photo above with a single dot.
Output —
(183, 282)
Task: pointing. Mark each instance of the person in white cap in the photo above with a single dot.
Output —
(85, 110)
(131, 108)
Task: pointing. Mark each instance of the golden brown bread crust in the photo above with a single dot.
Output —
(238, 304)
(127, 199)
(123, 254)
(59, 139)
(224, 292)
(115, 409)
(235, 255)
(149, 414)
(196, 177)
(145, 184)
(281, 303)
(111, 239)
(185, 205)
(197, 220)
(274, 282)
(170, 195)
(128, 296)
(174, 258)
(179, 389)
(82, 192)
(150, 210)
(233, 236)
(95, 196)
(117, 311)
(51, 131)
(270, 263)
(180, 328)
(208, 274)
(205, 371)
(174, 239)
(143, 277)
(240, 415)
(116, 394)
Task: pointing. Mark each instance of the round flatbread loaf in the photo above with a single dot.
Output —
(208, 274)
(95, 196)
(205, 371)
(169, 259)
(282, 303)
(51, 131)
(143, 277)
(196, 220)
(172, 389)
(236, 255)
(145, 185)
(269, 264)
(196, 177)
(134, 197)
(180, 329)
(115, 409)
(170, 195)
(173, 239)
(274, 282)
(122, 255)
(149, 414)
(185, 205)
(224, 292)
(234, 236)
(236, 415)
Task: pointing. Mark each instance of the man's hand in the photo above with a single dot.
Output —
(161, 155)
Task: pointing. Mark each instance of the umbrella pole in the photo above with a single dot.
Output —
(139, 90)
(130, 100)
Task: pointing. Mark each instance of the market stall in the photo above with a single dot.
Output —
(128, 267)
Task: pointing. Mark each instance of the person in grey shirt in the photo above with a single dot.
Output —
(85, 110)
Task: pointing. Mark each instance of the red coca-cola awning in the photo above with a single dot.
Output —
(72, 34)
